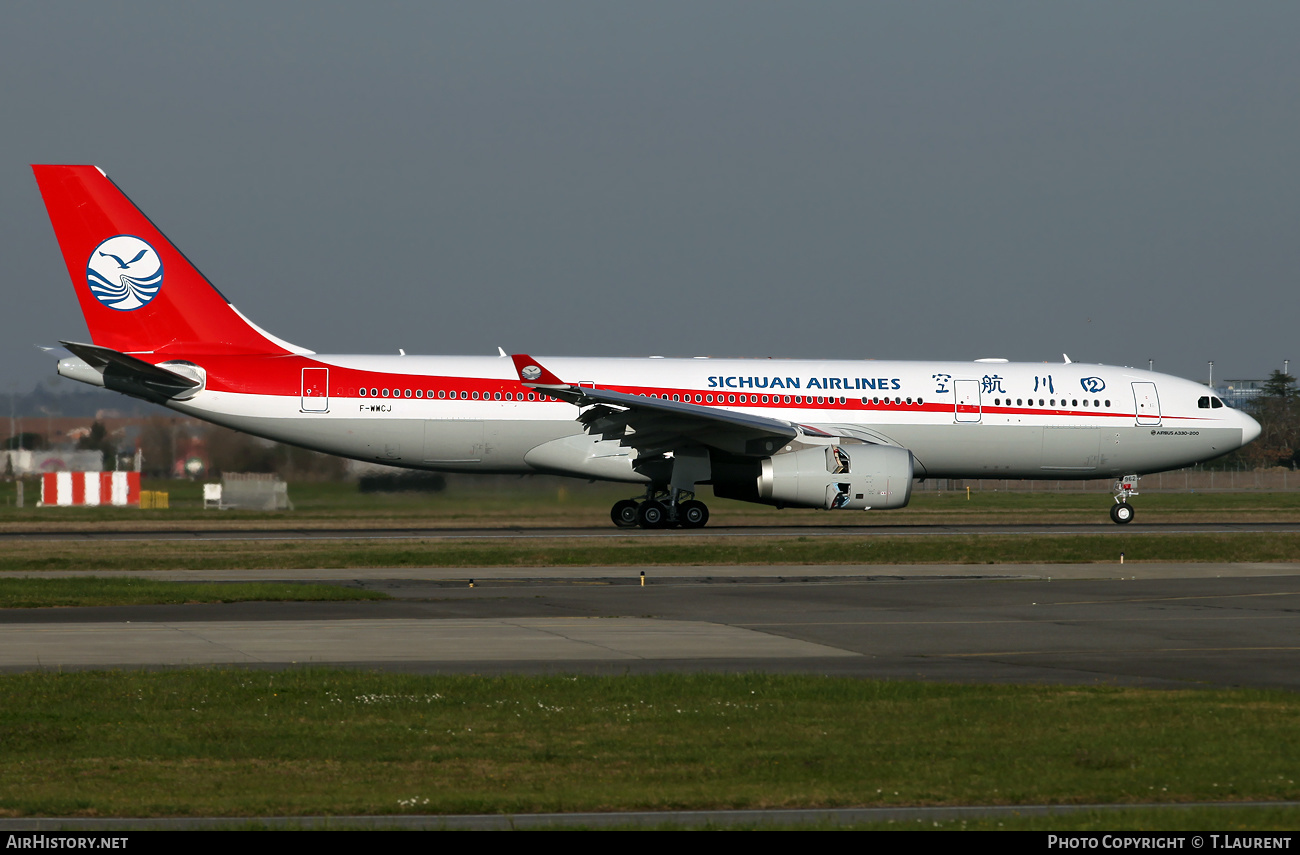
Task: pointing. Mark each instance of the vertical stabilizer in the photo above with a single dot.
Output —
(138, 292)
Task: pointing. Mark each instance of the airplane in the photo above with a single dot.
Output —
(836, 435)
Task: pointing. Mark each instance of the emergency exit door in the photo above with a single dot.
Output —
(1147, 403)
(967, 394)
(315, 390)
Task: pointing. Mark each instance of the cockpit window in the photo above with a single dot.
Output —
(1203, 402)
(1216, 403)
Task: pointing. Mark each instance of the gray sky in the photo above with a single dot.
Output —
(1117, 181)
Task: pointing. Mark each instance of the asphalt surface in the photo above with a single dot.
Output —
(1151, 625)
(607, 532)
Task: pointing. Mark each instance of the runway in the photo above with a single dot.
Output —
(1150, 625)
(610, 532)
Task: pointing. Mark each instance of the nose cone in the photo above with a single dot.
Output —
(1249, 428)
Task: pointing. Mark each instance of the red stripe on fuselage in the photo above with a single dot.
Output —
(281, 376)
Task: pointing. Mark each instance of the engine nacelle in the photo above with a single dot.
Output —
(838, 477)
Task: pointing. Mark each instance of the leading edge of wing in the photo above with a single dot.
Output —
(692, 418)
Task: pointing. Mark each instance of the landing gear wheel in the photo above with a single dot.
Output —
(1121, 513)
(624, 513)
(693, 514)
(652, 514)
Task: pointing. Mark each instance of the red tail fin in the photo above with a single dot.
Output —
(138, 292)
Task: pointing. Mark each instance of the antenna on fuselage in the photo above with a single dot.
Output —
(1068, 360)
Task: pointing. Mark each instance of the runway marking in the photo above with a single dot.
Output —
(1170, 599)
(1136, 619)
(1113, 652)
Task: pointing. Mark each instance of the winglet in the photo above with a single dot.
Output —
(533, 374)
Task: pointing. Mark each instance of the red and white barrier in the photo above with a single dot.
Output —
(67, 489)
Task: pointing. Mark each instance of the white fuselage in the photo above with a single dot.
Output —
(959, 419)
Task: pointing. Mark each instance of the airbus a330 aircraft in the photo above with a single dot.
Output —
(843, 435)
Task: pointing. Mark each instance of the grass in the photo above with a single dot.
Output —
(632, 550)
(93, 591)
(333, 742)
(538, 501)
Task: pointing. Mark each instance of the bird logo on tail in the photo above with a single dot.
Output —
(124, 273)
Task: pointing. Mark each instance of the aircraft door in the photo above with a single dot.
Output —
(315, 390)
(1147, 403)
(967, 407)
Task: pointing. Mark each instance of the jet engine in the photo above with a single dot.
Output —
(833, 477)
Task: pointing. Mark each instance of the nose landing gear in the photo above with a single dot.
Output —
(1122, 512)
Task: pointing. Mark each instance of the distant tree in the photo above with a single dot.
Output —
(1278, 412)
(97, 440)
(27, 440)
(156, 447)
(1279, 385)
(231, 451)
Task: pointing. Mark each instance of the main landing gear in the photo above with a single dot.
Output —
(1122, 512)
(659, 509)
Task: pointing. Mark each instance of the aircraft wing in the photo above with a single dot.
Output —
(656, 425)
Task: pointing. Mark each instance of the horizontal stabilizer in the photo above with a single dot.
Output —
(127, 374)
